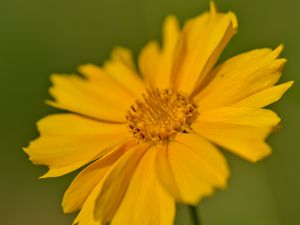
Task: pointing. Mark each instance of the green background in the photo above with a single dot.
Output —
(40, 37)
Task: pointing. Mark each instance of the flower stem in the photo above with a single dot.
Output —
(194, 214)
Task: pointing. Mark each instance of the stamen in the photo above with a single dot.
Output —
(161, 115)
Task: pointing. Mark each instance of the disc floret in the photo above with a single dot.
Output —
(160, 115)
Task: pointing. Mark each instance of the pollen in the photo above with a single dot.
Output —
(160, 115)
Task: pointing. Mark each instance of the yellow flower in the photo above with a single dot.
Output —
(150, 142)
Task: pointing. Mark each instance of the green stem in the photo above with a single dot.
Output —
(194, 214)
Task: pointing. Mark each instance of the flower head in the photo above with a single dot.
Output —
(149, 135)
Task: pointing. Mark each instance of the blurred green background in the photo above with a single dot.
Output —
(42, 37)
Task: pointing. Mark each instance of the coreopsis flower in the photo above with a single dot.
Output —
(149, 135)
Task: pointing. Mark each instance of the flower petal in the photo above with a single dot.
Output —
(86, 214)
(87, 179)
(148, 63)
(170, 43)
(184, 168)
(239, 129)
(120, 67)
(245, 141)
(145, 202)
(89, 98)
(116, 182)
(123, 55)
(208, 154)
(202, 42)
(266, 96)
(240, 77)
(155, 63)
(68, 141)
(240, 115)
(73, 125)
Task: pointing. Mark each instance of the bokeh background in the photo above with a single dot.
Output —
(38, 38)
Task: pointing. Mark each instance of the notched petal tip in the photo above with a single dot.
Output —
(261, 155)
(56, 77)
(212, 7)
(88, 69)
(46, 175)
(123, 55)
(52, 103)
(277, 51)
(289, 84)
(286, 86)
(170, 23)
(232, 16)
(233, 19)
(119, 50)
(29, 153)
(170, 20)
(82, 67)
(26, 150)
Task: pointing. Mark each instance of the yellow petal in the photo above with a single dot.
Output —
(208, 154)
(245, 141)
(68, 142)
(240, 115)
(266, 96)
(93, 99)
(145, 202)
(155, 63)
(87, 179)
(116, 182)
(123, 55)
(161, 78)
(184, 168)
(120, 67)
(74, 125)
(86, 214)
(202, 42)
(239, 129)
(148, 63)
(240, 77)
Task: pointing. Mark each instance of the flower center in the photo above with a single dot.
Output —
(161, 115)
